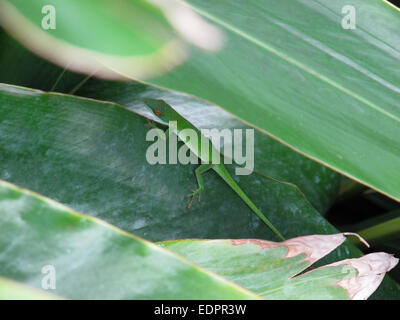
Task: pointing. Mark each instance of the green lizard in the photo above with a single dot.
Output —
(166, 114)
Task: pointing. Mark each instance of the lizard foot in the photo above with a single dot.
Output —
(193, 194)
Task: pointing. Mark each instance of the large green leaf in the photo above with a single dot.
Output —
(328, 92)
(21, 67)
(91, 259)
(266, 271)
(45, 178)
(271, 158)
(103, 37)
(291, 70)
(380, 228)
(272, 269)
(90, 155)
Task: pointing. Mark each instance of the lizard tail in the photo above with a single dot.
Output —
(224, 174)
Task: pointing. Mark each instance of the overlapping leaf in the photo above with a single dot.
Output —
(272, 269)
(271, 158)
(90, 155)
(94, 260)
(328, 92)
(91, 259)
(291, 70)
(106, 37)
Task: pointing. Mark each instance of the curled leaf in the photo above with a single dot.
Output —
(275, 270)
(371, 269)
(109, 39)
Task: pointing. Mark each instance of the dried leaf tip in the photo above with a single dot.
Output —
(317, 246)
(371, 270)
(314, 246)
(358, 236)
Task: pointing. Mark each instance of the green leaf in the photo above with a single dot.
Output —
(272, 269)
(90, 155)
(103, 37)
(293, 72)
(21, 67)
(271, 158)
(92, 259)
(382, 228)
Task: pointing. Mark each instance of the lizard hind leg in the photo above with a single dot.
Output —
(198, 172)
(192, 194)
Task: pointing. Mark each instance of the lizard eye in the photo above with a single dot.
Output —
(157, 112)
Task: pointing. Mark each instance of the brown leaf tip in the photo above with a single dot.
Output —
(371, 270)
(313, 246)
